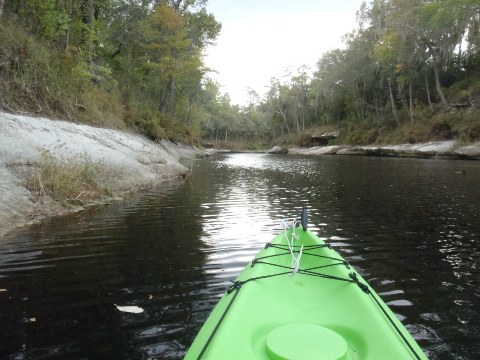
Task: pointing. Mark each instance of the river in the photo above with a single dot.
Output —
(411, 227)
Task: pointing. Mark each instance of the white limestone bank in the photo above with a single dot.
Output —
(128, 161)
(440, 149)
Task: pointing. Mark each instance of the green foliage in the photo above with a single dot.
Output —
(54, 23)
(108, 62)
(404, 65)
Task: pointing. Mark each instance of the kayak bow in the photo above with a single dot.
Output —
(299, 299)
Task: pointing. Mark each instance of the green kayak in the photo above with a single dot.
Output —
(298, 299)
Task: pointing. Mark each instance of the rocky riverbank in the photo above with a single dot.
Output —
(441, 150)
(123, 162)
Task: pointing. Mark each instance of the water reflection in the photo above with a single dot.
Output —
(410, 226)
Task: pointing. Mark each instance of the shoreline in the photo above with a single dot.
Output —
(449, 149)
(121, 163)
(431, 150)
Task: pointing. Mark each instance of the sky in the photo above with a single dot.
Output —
(261, 39)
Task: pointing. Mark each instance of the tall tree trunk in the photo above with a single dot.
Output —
(88, 31)
(428, 94)
(283, 114)
(377, 106)
(67, 37)
(392, 100)
(359, 102)
(171, 90)
(437, 83)
(358, 113)
(162, 104)
(303, 118)
(317, 102)
(434, 50)
(297, 121)
(411, 102)
(168, 102)
(1, 7)
(189, 111)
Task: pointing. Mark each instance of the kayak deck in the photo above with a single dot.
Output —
(324, 311)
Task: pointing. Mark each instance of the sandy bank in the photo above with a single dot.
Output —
(128, 161)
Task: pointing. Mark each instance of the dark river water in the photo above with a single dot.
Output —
(410, 226)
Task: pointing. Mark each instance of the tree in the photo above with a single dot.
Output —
(276, 100)
(201, 29)
(166, 41)
(299, 93)
(328, 86)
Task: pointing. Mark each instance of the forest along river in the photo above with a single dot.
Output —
(411, 227)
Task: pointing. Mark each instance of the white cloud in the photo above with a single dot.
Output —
(254, 48)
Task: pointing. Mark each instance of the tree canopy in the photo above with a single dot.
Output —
(399, 63)
(144, 57)
(140, 63)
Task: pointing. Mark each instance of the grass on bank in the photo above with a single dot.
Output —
(72, 183)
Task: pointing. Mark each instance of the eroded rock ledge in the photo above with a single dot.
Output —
(442, 150)
(128, 161)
